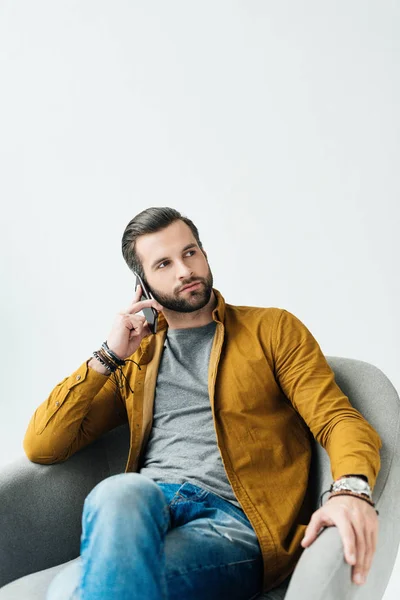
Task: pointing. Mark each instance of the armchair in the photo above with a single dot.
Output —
(41, 506)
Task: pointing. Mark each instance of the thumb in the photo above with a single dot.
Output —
(312, 530)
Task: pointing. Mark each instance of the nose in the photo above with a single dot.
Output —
(183, 271)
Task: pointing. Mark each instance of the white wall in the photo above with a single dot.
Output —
(273, 125)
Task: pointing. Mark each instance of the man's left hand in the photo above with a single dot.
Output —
(357, 522)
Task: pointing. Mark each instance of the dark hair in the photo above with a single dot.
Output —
(149, 221)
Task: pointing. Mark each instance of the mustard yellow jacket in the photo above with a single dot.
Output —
(270, 389)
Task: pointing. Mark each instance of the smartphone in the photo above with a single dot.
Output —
(149, 312)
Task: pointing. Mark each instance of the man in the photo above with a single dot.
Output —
(221, 402)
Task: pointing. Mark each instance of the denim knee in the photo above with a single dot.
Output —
(124, 491)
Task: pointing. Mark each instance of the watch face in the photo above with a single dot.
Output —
(358, 484)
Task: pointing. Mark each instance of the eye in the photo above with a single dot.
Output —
(165, 262)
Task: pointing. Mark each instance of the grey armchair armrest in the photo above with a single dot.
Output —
(41, 506)
(322, 573)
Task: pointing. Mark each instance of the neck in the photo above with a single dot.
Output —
(197, 318)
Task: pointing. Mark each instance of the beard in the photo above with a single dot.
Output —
(187, 302)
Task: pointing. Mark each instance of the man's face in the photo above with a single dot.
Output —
(172, 259)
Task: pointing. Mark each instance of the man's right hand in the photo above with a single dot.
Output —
(130, 328)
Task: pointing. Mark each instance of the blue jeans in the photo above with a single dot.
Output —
(159, 541)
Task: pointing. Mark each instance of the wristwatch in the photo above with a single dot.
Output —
(352, 484)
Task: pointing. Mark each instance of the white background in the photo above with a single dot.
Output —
(274, 126)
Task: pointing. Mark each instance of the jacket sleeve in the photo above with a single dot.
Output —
(79, 409)
(308, 381)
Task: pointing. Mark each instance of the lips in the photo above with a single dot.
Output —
(191, 286)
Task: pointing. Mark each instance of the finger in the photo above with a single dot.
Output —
(317, 521)
(133, 318)
(138, 306)
(369, 553)
(146, 329)
(361, 550)
(370, 550)
(134, 323)
(375, 534)
(348, 535)
(309, 534)
(138, 293)
(137, 319)
(136, 328)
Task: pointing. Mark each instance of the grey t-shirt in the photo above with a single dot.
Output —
(182, 445)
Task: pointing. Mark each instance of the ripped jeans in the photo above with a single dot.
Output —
(161, 541)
